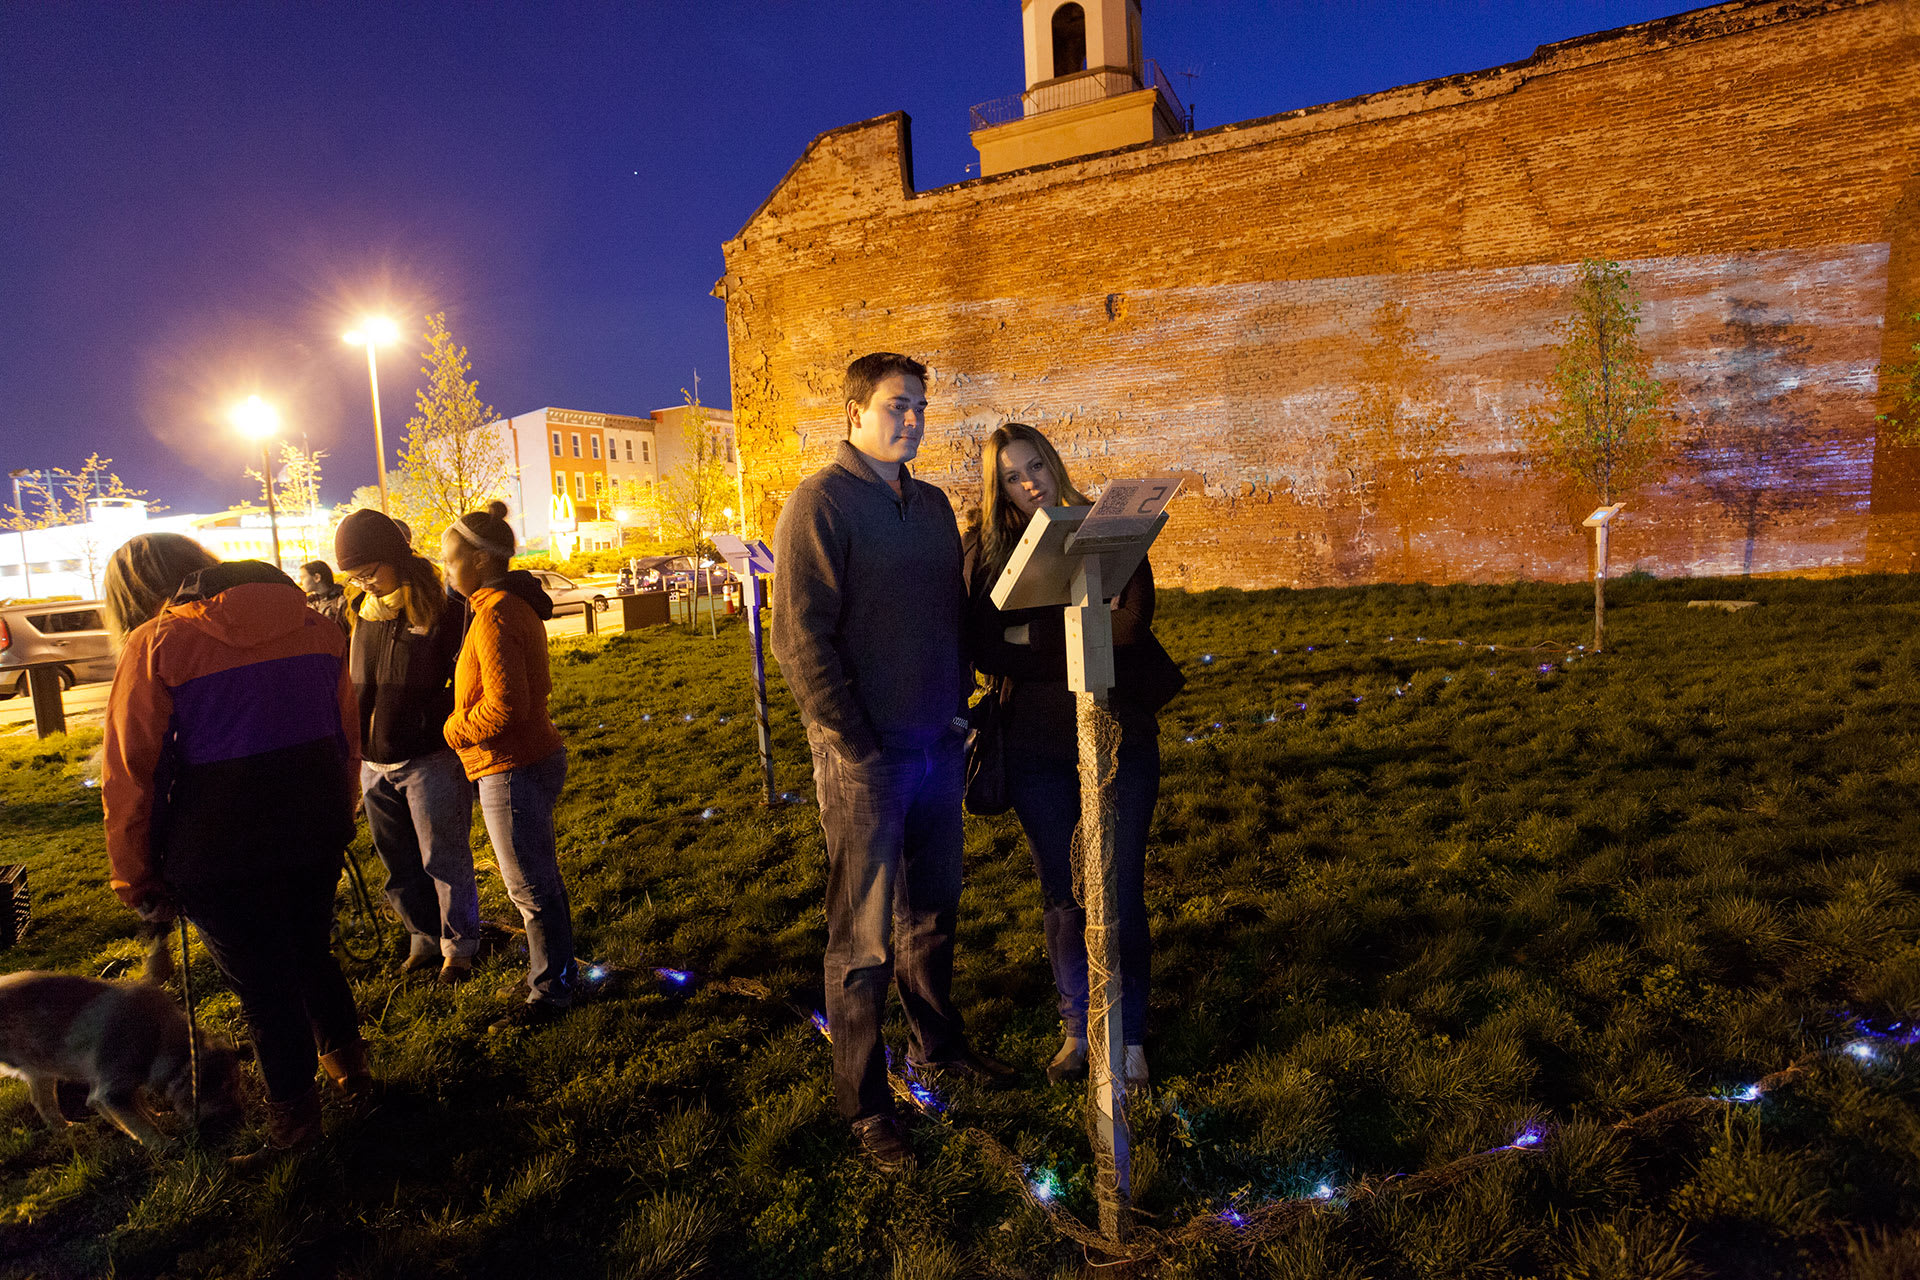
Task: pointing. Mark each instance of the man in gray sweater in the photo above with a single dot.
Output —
(868, 605)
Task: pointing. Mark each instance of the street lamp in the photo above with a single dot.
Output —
(258, 420)
(375, 332)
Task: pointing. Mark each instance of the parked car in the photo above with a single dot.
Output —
(679, 573)
(71, 632)
(568, 595)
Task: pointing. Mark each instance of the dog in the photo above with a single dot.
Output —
(118, 1038)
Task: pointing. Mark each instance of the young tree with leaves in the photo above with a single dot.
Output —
(1400, 422)
(1600, 420)
(296, 487)
(689, 500)
(450, 462)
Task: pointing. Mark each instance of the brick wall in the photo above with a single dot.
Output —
(1206, 305)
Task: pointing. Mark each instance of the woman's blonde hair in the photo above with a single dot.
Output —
(143, 575)
(1001, 523)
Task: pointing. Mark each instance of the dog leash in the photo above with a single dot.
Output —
(193, 1020)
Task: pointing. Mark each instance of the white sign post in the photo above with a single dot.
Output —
(750, 560)
(1598, 522)
(1079, 558)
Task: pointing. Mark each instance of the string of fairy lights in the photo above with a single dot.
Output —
(1867, 1042)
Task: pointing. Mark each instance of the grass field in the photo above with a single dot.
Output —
(1409, 897)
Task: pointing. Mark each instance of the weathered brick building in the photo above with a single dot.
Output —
(1211, 304)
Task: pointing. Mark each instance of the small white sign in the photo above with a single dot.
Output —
(1127, 509)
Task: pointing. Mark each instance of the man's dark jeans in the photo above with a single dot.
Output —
(893, 891)
(1046, 796)
(271, 938)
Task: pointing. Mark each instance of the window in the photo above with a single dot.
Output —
(730, 457)
(560, 484)
(643, 452)
(1069, 40)
(556, 444)
(595, 442)
(629, 448)
(579, 486)
(576, 444)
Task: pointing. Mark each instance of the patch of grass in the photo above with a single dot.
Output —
(1408, 895)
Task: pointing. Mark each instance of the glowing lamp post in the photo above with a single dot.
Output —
(257, 420)
(371, 334)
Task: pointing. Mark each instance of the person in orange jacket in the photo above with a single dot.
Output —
(231, 749)
(510, 748)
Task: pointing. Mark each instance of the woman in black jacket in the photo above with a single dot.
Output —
(1026, 649)
(405, 640)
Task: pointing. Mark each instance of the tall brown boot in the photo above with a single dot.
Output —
(291, 1126)
(350, 1072)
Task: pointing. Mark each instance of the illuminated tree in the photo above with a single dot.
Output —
(1600, 421)
(1399, 421)
(59, 497)
(296, 487)
(688, 501)
(451, 462)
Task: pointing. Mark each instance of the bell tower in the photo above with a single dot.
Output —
(1088, 89)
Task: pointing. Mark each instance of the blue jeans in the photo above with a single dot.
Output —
(893, 831)
(420, 814)
(518, 808)
(1046, 796)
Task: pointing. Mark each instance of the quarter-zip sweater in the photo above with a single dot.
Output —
(500, 688)
(868, 605)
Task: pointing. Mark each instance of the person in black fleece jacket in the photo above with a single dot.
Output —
(406, 637)
(1026, 650)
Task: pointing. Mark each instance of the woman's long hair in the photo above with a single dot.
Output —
(142, 575)
(426, 594)
(1001, 523)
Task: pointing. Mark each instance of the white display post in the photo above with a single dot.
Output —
(1598, 522)
(1079, 558)
(750, 560)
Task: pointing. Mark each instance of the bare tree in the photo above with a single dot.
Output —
(296, 487)
(60, 498)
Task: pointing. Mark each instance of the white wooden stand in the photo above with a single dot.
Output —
(1598, 522)
(1048, 568)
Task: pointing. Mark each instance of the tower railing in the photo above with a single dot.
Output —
(1076, 90)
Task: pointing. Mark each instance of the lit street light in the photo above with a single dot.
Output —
(258, 420)
(375, 332)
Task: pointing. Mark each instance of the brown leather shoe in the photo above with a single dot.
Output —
(884, 1144)
(349, 1071)
(454, 972)
(423, 963)
(291, 1127)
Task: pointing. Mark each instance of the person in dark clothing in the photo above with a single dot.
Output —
(227, 769)
(870, 600)
(1026, 651)
(324, 595)
(405, 641)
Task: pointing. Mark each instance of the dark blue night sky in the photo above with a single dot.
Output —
(196, 200)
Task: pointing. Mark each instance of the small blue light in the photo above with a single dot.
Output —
(645, 718)
(1309, 649)
(706, 814)
(1749, 1094)
(687, 718)
(1530, 1136)
(1206, 659)
(1863, 1051)
(1216, 724)
(819, 1021)
(679, 977)
(1301, 705)
(1545, 667)
(1191, 738)
(1271, 717)
(1233, 1218)
(1323, 1192)
(596, 973)
(1044, 1186)
(601, 725)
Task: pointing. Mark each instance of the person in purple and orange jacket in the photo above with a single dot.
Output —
(229, 765)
